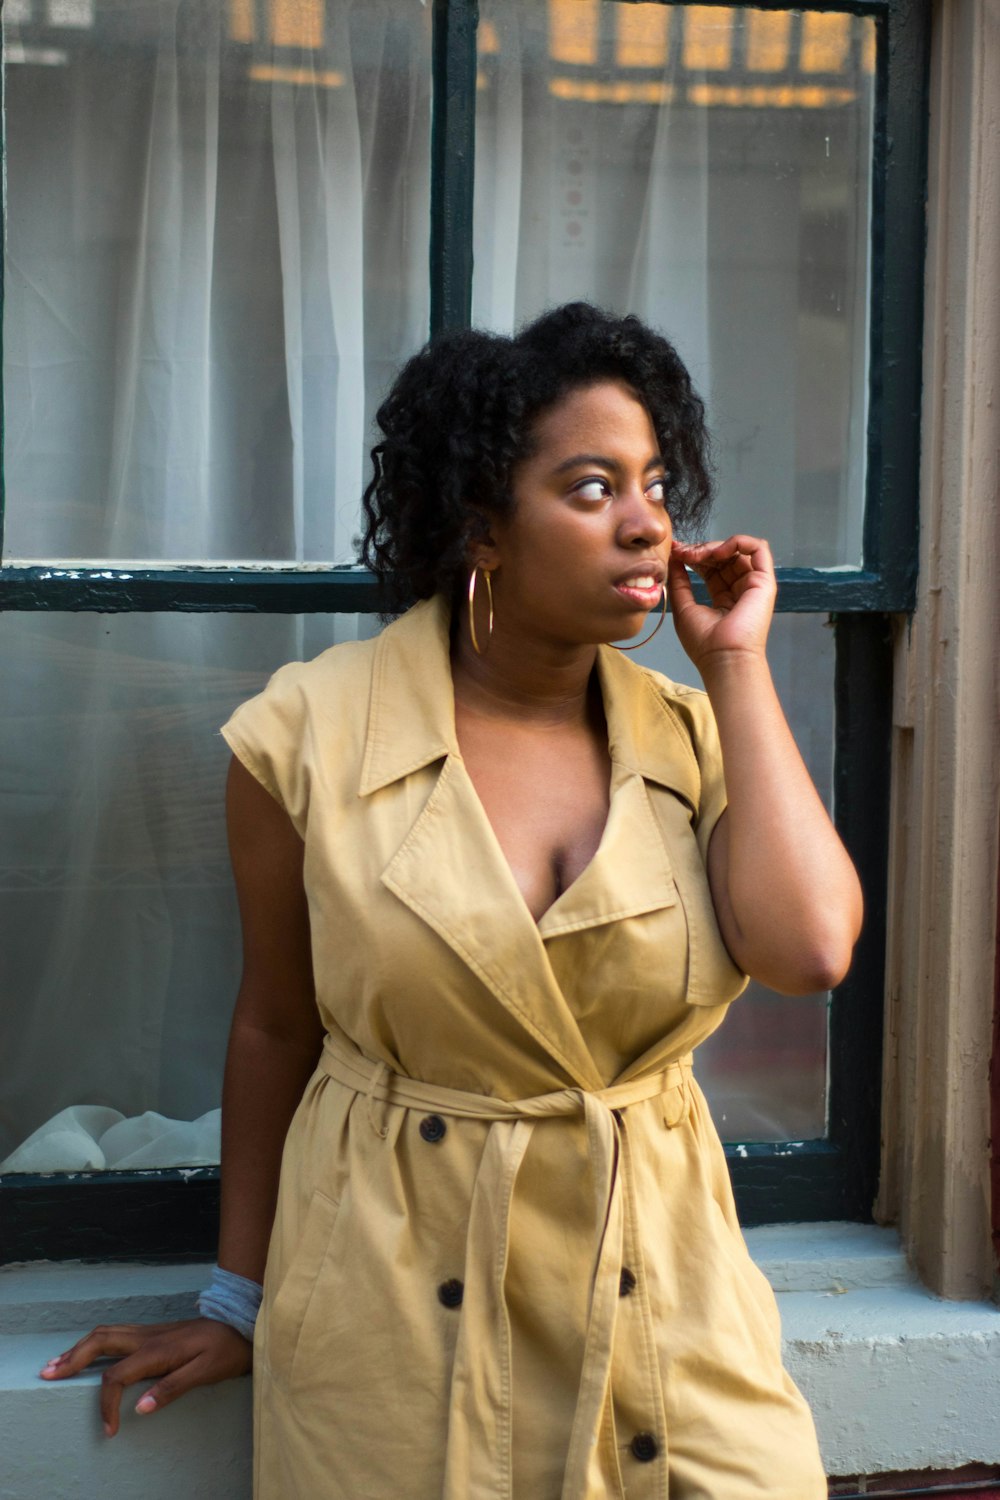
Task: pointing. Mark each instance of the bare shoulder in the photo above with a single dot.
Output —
(256, 822)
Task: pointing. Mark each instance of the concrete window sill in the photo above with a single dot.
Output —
(897, 1379)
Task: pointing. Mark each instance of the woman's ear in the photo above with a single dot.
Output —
(482, 551)
(485, 557)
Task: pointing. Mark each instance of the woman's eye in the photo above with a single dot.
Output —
(593, 489)
(658, 490)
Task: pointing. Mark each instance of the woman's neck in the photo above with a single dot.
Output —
(525, 680)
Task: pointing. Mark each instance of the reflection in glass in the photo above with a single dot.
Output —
(117, 917)
(216, 258)
(800, 650)
(118, 921)
(709, 168)
(764, 1071)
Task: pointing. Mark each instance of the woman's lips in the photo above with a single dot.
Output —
(643, 590)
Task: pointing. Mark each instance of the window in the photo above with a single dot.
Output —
(259, 208)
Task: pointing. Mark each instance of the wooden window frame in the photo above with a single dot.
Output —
(169, 1215)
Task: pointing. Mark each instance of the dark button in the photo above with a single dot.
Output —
(451, 1293)
(626, 1282)
(433, 1128)
(644, 1447)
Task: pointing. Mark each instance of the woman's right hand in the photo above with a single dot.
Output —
(178, 1356)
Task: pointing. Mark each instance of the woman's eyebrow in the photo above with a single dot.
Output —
(602, 461)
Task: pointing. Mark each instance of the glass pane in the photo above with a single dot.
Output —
(117, 917)
(764, 1071)
(708, 168)
(118, 922)
(217, 254)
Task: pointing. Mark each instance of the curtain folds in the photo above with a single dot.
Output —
(216, 258)
(217, 254)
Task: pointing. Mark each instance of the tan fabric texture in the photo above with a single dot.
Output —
(506, 1263)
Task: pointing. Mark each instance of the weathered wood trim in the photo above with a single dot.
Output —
(944, 855)
(278, 588)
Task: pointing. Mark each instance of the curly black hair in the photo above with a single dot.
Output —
(460, 417)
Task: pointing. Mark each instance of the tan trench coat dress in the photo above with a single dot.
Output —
(505, 1261)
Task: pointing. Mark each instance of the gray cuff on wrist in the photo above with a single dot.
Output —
(232, 1299)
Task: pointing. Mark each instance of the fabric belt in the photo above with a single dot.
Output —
(480, 1431)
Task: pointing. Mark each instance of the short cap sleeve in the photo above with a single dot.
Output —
(694, 708)
(268, 735)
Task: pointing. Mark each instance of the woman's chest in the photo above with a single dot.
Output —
(546, 798)
(425, 951)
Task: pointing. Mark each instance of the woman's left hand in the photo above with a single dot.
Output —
(739, 575)
(784, 889)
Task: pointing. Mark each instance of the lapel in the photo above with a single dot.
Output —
(450, 870)
(411, 712)
(630, 874)
(645, 734)
(452, 873)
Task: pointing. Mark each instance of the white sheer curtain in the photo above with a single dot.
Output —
(216, 248)
(216, 257)
(682, 163)
(217, 254)
(643, 156)
(581, 198)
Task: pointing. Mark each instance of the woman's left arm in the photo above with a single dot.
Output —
(785, 891)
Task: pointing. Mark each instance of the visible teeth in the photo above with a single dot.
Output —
(641, 583)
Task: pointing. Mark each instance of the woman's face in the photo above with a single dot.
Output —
(583, 556)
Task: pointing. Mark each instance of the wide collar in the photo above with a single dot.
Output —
(411, 716)
(411, 713)
(450, 870)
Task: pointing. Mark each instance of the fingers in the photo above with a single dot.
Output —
(740, 543)
(145, 1364)
(178, 1356)
(729, 567)
(119, 1338)
(679, 590)
(207, 1352)
(177, 1383)
(735, 556)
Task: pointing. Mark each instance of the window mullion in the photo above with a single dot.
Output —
(3, 275)
(453, 147)
(898, 221)
(863, 692)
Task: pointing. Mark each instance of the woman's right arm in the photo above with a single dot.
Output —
(274, 1044)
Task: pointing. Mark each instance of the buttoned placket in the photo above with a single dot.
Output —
(458, 886)
(636, 1385)
(479, 1458)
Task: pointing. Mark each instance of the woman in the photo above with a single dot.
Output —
(494, 890)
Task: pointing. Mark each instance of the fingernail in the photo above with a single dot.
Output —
(53, 1364)
(108, 1430)
(147, 1403)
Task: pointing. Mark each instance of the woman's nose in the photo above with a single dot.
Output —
(643, 522)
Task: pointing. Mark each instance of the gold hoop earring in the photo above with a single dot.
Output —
(646, 639)
(473, 580)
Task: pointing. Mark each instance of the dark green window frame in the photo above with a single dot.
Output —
(169, 1215)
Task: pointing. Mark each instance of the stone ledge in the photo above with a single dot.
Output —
(53, 1295)
(54, 1447)
(828, 1257)
(897, 1378)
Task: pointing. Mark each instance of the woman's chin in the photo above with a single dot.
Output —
(634, 625)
